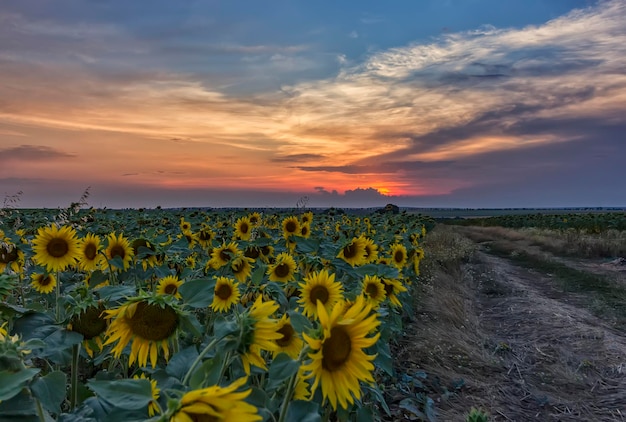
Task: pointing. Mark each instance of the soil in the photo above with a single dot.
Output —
(507, 339)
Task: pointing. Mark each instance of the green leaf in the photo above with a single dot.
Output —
(283, 367)
(299, 322)
(97, 277)
(116, 262)
(223, 327)
(198, 293)
(180, 363)
(114, 293)
(11, 383)
(20, 408)
(307, 246)
(50, 390)
(257, 275)
(378, 395)
(208, 373)
(127, 394)
(383, 360)
(303, 411)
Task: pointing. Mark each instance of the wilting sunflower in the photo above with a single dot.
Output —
(226, 294)
(283, 269)
(214, 404)
(374, 290)
(354, 252)
(259, 333)
(43, 282)
(11, 256)
(393, 288)
(119, 246)
(92, 324)
(243, 228)
(371, 250)
(55, 248)
(291, 227)
(398, 255)
(169, 285)
(290, 342)
(338, 361)
(321, 287)
(222, 255)
(153, 406)
(90, 256)
(241, 267)
(149, 322)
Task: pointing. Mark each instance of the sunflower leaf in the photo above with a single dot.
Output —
(50, 390)
(11, 383)
(198, 293)
(283, 367)
(127, 394)
(303, 411)
(299, 322)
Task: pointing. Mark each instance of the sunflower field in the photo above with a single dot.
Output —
(201, 315)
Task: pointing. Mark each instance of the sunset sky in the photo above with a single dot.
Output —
(423, 103)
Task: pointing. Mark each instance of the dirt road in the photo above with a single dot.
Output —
(509, 339)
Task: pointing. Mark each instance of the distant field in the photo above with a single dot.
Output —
(495, 212)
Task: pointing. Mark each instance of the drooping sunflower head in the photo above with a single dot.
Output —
(354, 252)
(338, 362)
(92, 324)
(393, 288)
(216, 404)
(169, 285)
(398, 255)
(283, 269)
(226, 294)
(147, 322)
(243, 228)
(43, 282)
(11, 255)
(119, 247)
(291, 227)
(259, 333)
(320, 287)
(241, 267)
(56, 248)
(374, 290)
(290, 342)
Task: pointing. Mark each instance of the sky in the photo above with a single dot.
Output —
(419, 103)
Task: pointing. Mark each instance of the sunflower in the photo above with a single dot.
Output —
(241, 267)
(43, 282)
(321, 287)
(11, 256)
(222, 255)
(305, 230)
(153, 405)
(185, 226)
(266, 253)
(307, 218)
(291, 226)
(148, 257)
(226, 294)
(169, 286)
(91, 323)
(205, 237)
(338, 361)
(119, 246)
(354, 252)
(259, 333)
(398, 255)
(301, 391)
(255, 219)
(393, 288)
(55, 248)
(147, 323)
(216, 404)
(3, 331)
(90, 257)
(283, 269)
(371, 250)
(373, 290)
(252, 252)
(290, 343)
(243, 228)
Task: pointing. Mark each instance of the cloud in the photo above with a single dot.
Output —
(297, 158)
(32, 152)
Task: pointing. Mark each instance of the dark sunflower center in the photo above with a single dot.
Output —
(225, 255)
(201, 417)
(349, 251)
(171, 289)
(398, 256)
(238, 266)
(304, 231)
(319, 293)
(118, 250)
(252, 253)
(91, 251)
(336, 349)
(204, 236)
(388, 289)
(368, 251)
(8, 254)
(287, 331)
(57, 247)
(152, 322)
(291, 227)
(224, 291)
(254, 220)
(243, 228)
(265, 250)
(89, 322)
(282, 270)
(372, 290)
(45, 280)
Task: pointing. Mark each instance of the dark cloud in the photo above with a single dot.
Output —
(32, 152)
(381, 168)
(297, 158)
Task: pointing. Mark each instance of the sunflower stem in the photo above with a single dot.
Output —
(40, 413)
(74, 381)
(57, 289)
(195, 363)
(291, 387)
